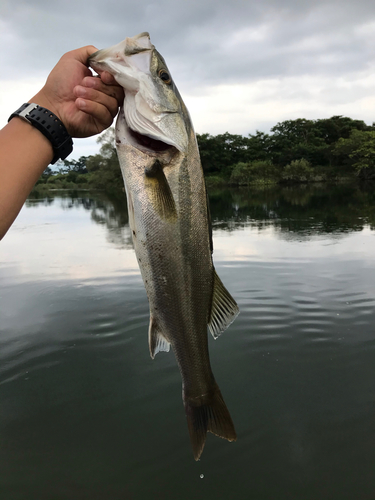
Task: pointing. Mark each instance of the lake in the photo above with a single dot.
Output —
(87, 414)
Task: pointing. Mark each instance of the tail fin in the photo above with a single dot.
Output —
(208, 414)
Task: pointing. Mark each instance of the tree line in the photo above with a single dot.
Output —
(298, 150)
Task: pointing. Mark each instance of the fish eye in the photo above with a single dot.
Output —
(165, 76)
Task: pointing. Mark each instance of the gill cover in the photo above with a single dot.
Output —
(151, 106)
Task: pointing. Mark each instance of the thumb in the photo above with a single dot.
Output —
(82, 54)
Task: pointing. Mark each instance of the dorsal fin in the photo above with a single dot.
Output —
(224, 309)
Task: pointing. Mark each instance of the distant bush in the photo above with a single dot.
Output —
(67, 181)
(215, 180)
(56, 179)
(261, 171)
(298, 171)
(82, 179)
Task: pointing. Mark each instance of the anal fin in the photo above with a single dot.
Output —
(156, 340)
(224, 309)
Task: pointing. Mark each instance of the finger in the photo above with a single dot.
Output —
(112, 90)
(109, 101)
(107, 78)
(97, 111)
(105, 100)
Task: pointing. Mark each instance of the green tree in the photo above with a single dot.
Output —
(258, 147)
(332, 130)
(295, 139)
(104, 168)
(358, 152)
(219, 152)
(337, 127)
(79, 166)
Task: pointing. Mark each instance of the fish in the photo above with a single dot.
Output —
(171, 227)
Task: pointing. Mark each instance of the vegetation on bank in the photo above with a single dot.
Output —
(100, 171)
(295, 151)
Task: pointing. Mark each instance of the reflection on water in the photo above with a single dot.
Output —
(308, 209)
(85, 413)
(108, 210)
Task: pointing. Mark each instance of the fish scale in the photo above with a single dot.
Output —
(170, 223)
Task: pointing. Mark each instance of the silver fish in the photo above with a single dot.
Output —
(171, 228)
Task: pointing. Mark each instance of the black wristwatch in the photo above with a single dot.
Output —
(50, 126)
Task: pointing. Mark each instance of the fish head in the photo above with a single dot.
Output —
(153, 108)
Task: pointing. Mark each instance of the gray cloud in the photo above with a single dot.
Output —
(204, 42)
(208, 43)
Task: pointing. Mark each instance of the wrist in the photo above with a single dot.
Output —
(49, 125)
(42, 100)
(31, 135)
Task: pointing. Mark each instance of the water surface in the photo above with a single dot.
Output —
(85, 412)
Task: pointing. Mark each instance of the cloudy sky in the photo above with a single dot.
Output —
(240, 65)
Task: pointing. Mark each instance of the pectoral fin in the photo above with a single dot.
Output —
(159, 193)
(224, 309)
(156, 340)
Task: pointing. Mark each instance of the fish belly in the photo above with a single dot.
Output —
(174, 256)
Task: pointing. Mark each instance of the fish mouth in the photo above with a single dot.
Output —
(149, 143)
(125, 134)
(152, 111)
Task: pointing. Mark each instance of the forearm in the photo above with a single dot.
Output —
(24, 155)
(84, 104)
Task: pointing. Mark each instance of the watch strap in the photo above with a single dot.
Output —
(50, 126)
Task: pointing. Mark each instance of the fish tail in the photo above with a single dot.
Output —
(208, 413)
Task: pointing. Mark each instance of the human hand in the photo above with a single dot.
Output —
(85, 104)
